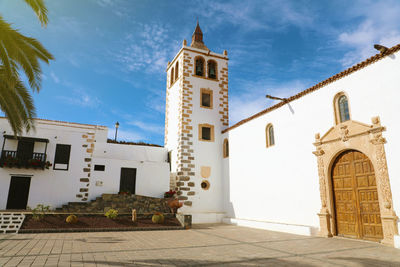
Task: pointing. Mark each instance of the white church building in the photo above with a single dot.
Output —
(321, 162)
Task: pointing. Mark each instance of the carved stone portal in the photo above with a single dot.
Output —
(368, 139)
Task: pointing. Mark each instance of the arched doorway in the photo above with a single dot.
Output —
(355, 196)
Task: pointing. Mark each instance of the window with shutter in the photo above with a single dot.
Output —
(61, 158)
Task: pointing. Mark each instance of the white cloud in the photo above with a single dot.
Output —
(125, 135)
(148, 51)
(148, 127)
(379, 25)
(81, 98)
(252, 98)
(54, 77)
(105, 3)
(255, 15)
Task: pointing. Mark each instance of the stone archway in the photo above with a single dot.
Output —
(355, 196)
(368, 140)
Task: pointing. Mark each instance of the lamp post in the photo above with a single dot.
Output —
(116, 130)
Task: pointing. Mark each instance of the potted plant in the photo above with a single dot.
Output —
(174, 205)
(170, 194)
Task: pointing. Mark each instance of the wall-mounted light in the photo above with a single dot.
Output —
(380, 48)
(276, 98)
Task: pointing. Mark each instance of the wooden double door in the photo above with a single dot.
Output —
(356, 197)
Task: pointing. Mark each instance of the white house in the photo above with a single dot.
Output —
(320, 162)
(65, 162)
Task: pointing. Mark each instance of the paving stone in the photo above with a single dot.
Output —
(210, 245)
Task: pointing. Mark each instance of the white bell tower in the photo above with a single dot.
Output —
(196, 113)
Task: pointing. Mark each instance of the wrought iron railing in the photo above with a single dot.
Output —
(12, 159)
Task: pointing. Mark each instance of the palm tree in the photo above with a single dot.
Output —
(21, 53)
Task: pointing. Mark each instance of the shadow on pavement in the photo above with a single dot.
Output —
(182, 262)
(368, 262)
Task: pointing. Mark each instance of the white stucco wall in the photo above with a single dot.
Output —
(207, 153)
(280, 183)
(58, 187)
(173, 101)
(152, 169)
(49, 186)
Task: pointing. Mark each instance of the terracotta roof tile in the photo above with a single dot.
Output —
(313, 88)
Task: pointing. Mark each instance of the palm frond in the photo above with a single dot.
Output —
(40, 10)
(24, 52)
(17, 104)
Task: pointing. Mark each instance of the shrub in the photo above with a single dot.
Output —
(111, 214)
(71, 219)
(39, 212)
(158, 217)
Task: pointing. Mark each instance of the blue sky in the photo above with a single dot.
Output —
(111, 55)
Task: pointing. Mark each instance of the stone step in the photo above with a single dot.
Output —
(123, 203)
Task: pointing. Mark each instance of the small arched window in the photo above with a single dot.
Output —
(212, 69)
(226, 148)
(176, 70)
(269, 134)
(342, 110)
(199, 66)
(172, 76)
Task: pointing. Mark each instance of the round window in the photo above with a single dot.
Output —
(205, 185)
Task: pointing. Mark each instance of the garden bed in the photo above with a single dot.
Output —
(94, 223)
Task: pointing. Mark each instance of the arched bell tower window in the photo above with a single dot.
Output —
(342, 110)
(212, 69)
(226, 148)
(172, 76)
(176, 70)
(269, 135)
(199, 66)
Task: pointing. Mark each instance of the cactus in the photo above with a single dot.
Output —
(71, 219)
(158, 218)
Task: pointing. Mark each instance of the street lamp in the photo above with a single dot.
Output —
(116, 130)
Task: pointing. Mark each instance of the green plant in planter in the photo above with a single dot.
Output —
(48, 164)
(111, 214)
(158, 218)
(71, 219)
(39, 212)
(35, 163)
(10, 162)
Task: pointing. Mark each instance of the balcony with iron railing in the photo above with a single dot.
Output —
(12, 159)
(24, 158)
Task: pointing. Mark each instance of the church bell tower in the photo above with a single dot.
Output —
(196, 113)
